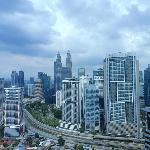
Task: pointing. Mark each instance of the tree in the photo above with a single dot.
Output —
(49, 148)
(29, 141)
(37, 143)
(44, 109)
(82, 129)
(61, 141)
(36, 135)
(1, 131)
(57, 112)
(78, 147)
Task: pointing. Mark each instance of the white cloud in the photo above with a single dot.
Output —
(90, 29)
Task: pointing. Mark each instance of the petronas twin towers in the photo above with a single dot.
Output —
(61, 72)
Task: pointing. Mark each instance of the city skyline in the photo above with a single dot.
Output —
(86, 28)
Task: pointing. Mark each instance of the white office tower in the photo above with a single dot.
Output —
(59, 98)
(92, 108)
(13, 112)
(70, 94)
(84, 81)
(1, 99)
(121, 94)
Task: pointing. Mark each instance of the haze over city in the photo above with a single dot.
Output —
(33, 31)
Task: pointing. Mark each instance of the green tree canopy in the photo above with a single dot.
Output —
(61, 141)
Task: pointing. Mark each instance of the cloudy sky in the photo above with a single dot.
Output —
(32, 31)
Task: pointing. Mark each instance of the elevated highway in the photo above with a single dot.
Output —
(97, 140)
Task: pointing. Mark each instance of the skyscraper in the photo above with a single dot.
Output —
(13, 111)
(141, 90)
(83, 82)
(147, 86)
(60, 72)
(14, 78)
(31, 80)
(1, 92)
(147, 132)
(21, 79)
(46, 82)
(1, 99)
(69, 65)
(121, 88)
(98, 79)
(81, 72)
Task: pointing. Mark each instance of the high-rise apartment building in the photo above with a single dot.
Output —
(70, 104)
(13, 112)
(121, 94)
(147, 86)
(60, 72)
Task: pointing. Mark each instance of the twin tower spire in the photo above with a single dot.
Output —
(68, 59)
(60, 72)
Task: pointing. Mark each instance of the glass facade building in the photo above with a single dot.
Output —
(46, 83)
(147, 132)
(21, 79)
(92, 108)
(81, 72)
(1, 99)
(147, 86)
(121, 87)
(14, 78)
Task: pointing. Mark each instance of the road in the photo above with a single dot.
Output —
(105, 141)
